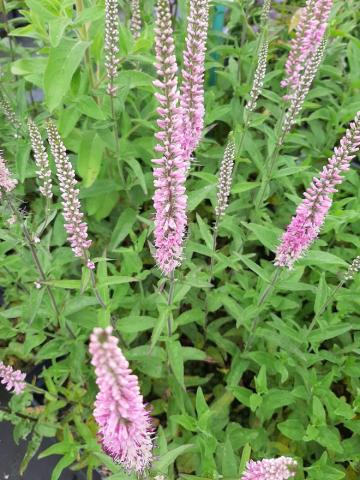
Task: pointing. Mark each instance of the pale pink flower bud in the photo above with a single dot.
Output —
(135, 22)
(7, 183)
(111, 43)
(225, 179)
(125, 427)
(192, 88)
(75, 226)
(310, 214)
(12, 379)
(310, 31)
(41, 159)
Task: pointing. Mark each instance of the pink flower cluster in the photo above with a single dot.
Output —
(180, 123)
(170, 173)
(12, 379)
(6, 182)
(124, 423)
(192, 88)
(74, 224)
(311, 213)
(309, 34)
(281, 468)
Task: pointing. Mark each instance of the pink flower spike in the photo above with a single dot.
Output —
(310, 31)
(192, 88)
(75, 226)
(12, 379)
(125, 426)
(6, 182)
(170, 170)
(310, 214)
(281, 468)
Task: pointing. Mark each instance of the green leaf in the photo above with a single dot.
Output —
(229, 463)
(32, 447)
(176, 361)
(321, 295)
(268, 235)
(292, 429)
(169, 458)
(61, 465)
(56, 29)
(135, 324)
(90, 157)
(122, 227)
(205, 231)
(62, 64)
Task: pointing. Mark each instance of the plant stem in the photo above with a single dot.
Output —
(116, 136)
(170, 300)
(324, 307)
(95, 289)
(85, 37)
(268, 291)
(271, 162)
(37, 263)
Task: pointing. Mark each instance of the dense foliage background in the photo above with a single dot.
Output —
(215, 403)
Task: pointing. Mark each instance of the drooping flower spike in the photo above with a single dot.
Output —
(10, 114)
(170, 171)
(192, 88)
(7, 183)
(310, 214)
(111, 44)
(281, 468)
(125, 427)
(75, 226)
(41, 159)
(310, 32)
(13, 380)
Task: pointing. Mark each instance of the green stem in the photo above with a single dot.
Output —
(266, 294)
(7, 29)
(170, 300)
(95, 289)
(324, 307)
(271, 162)
(37, 263)
(83, 31)
(116, 137)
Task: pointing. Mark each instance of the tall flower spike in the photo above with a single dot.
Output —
(259, 76)
(169, 198)
(41, 159)
(9, 113)
(75, 226)
(111, 43)
(281, 468)
(125, 426)
(311, 213)
(310, 31)
(225, 179)
(135, 22)
(299, 94)
(6, 182)
(12, 379)
(192, 88)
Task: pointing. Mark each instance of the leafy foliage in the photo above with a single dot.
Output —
(237, 377)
